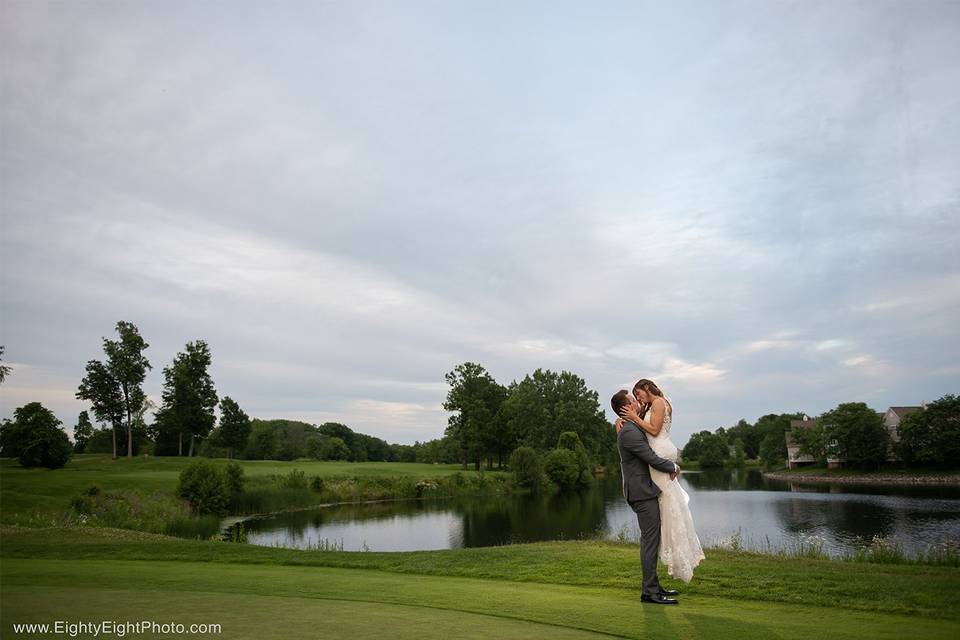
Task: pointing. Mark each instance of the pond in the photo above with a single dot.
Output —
(768, 514)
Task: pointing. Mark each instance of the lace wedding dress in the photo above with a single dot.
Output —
(680, 548)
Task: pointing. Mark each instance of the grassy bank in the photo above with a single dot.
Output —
(558, 589)
(139, 493)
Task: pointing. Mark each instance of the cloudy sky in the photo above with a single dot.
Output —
(756, 204)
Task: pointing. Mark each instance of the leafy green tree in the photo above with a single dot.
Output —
(526, 466)
(189, 397)
(856, 433)
(545, 404)
(560, 465)
(749, 435)
(234, 426)
(128, 366)
(101, 441)
(932, 435)
(36, 439)
(82, 432)
(205, 486)
(740, 456)
(335, 449)
(773, 449)
(102, 390)
(476, 397)
(570, 441)
(694, 448)
(4, 369)
(811, 440)
(262, 441)
(714, 451)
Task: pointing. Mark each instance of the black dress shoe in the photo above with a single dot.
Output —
(658, 599)
(669, 592)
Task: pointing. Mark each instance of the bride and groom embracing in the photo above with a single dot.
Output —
(651, 487)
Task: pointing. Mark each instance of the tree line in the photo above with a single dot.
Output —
(185, 423)
(491, 420)
(852, 432)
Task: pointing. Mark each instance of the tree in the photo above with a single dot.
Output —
(773, 449)
(234, 426)
(35, 437)
(739, 456)
(189, 397)
(335, 449)
(570, 441)
(128, 367)
(545, 404)
(102, 390)
(932, 435)
(560, 465)
(4, 369)
(262, 441)
(695, 445)
(856, 434)
(525, 464)
(811, 440)
(476, 397)
(749, 435)
(82, 432)
(714, 451)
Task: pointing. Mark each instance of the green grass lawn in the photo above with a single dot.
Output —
(35, 493)
(557, 589)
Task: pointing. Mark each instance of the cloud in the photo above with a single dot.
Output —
(756, 204)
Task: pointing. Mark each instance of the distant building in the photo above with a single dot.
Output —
(891, 420)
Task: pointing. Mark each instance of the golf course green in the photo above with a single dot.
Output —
(566, 589)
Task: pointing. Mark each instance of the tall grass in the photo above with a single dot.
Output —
(878, 550)
(275, 492)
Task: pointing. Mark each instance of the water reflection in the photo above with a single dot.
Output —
(768, 513)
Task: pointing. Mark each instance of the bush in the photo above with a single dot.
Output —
(525, 464)
(235, 478)
(561, 467)
(316, 484)
(205, 486)
(49, 448)
(296, 479)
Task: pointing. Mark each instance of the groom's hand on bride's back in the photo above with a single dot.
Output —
(675, 474)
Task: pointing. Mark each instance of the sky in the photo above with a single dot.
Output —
(755, 204)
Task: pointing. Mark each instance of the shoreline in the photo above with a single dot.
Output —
(879, 479)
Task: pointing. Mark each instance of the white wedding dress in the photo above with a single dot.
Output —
(680, 548)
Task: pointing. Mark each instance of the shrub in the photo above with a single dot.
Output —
(316, 484)
(235, 478)
(561, 467)
(525, 464)
(296, 479)
(205, 486)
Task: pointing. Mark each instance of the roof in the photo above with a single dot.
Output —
(902, 411)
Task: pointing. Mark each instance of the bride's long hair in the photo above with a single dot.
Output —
(650, 387)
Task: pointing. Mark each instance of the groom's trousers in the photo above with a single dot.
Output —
(648, 517)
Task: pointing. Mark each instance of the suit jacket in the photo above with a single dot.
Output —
(636, 458)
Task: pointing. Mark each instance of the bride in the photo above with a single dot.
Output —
(680, 548)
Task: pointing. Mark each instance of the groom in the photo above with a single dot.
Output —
(636, 458)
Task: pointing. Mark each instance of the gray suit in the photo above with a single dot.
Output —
(636, 458)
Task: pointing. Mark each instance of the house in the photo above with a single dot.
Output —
(891, 420)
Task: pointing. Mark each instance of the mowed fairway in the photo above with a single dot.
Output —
(283, 593)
